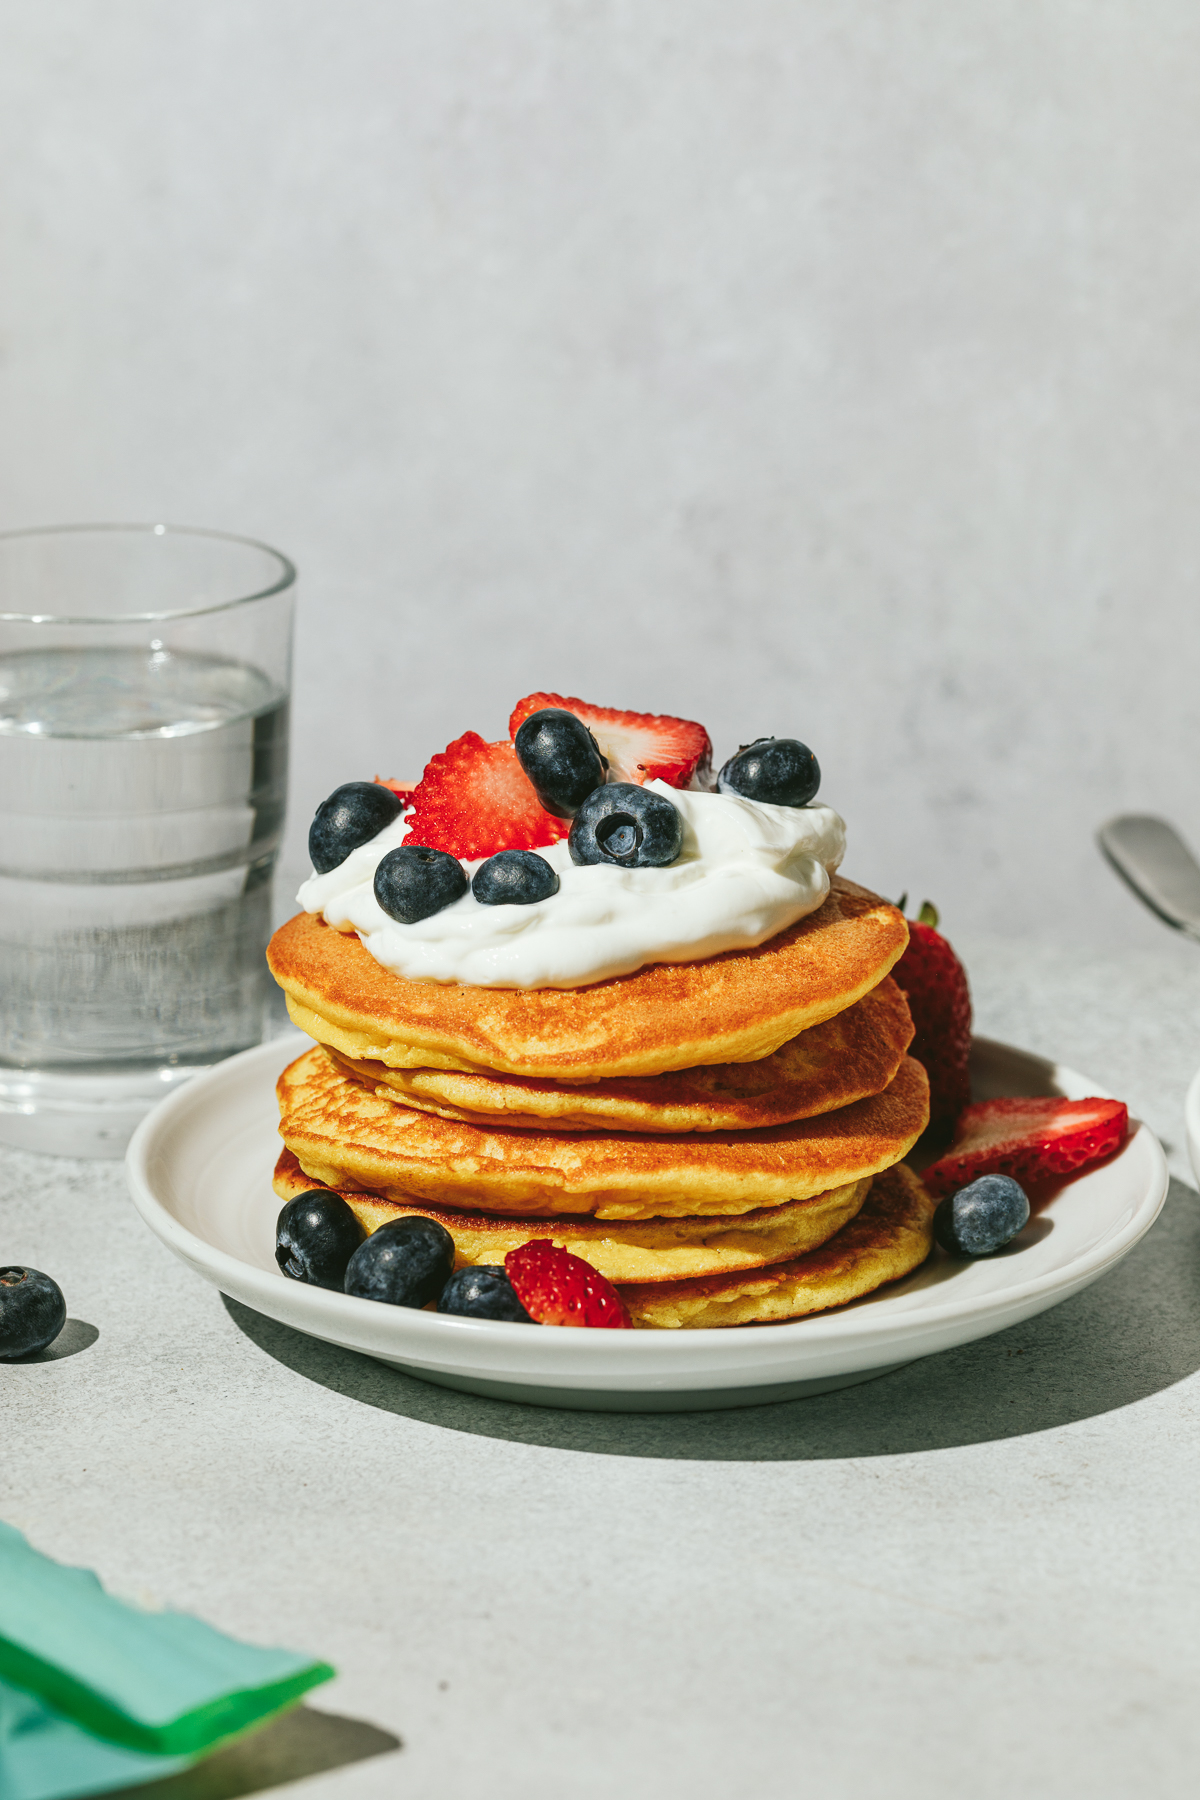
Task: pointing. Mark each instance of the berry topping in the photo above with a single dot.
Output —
(775, 771)
(560, 757)
(413, 883)
(514, 878)
(628, 825)
(351, 816)
(475, 799)
(1028, 1139)
(32, 1311)
(482, 1292)
(406, 1262)
(636, 746)
(981, 1218)
(403, 790)
(315, 1236)
(557, 1288)
(939, 999)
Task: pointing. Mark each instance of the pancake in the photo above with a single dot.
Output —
(643, 1250)
(888, 1238)
(736, 1007)
(343, 1135)
(856, 1053)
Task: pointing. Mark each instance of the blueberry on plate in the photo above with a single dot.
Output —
(777, 771)
(514, 878)
(32, 1311)
(482, 1292)
(982, 1217)
(628, 825)
(315, 1236)
(407, 1262)
(561, 758)
(351, 816)
(413, 883)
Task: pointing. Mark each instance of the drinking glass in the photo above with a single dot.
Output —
(145, 674)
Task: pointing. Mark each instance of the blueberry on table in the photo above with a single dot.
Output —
(561, 758)
(482, 1292)
(982, 1217)
(351, 816)
(777, 771)
(628, 825)
(413, 883)
(32, 1311)
(315, 1236)
(407, 1262)
(514, 878)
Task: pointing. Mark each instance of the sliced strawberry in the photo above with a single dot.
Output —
(404, 790)
(1029, 1140)
(638, 747)
(935, 984)
(475, 799)
(557, 1288)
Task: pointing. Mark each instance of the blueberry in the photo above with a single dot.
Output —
(482, 1292)
(351, 816)
(407, 1262)
(32, 1311)
(777, 771)
(514, 878)
(561, 758)
(315, 1237)
(628, 825)
(413, 883)
(982, 1217)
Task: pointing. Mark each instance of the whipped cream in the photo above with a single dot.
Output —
(746, 871)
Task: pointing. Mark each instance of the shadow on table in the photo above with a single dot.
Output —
(303, 1742)
(1130, 1335)
(75, 1336)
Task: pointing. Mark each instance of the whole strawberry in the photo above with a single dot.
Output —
(935, 984)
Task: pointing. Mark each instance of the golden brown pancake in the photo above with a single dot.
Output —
(890, 1236)
(640, 1250)
(343, 1135)
(856, 1053)
(736, 1007)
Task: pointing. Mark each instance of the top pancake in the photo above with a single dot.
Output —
(856, 1053)
(736, 1007)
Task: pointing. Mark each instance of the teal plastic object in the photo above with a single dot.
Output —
(44, 1756)
(162, 1683)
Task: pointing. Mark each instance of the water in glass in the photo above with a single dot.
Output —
(142, 795)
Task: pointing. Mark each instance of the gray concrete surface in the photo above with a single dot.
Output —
(977, 1576)
(806, 366)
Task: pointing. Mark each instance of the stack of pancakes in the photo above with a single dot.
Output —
(722, 1139)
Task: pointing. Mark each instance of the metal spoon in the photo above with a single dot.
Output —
(1153, 859)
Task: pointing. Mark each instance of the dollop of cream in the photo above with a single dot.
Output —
(745, 872)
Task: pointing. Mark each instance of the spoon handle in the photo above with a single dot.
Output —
(1153, 859)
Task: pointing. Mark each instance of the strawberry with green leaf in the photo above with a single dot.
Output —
(935, 984)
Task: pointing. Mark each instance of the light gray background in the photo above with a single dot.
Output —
(817, 368)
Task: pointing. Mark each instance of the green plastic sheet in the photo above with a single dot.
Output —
(152, 1685)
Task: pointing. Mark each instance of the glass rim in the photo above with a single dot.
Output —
(286, 578)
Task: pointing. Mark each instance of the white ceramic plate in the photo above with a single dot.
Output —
(200, 1166)
(1192, 1119)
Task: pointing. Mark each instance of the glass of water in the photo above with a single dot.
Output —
(145, 673)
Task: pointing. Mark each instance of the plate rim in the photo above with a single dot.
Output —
(826, 1328)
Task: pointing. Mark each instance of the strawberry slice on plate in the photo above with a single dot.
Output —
(638, 747)
(558, 1288)
(1029, 1139)
(475, 799)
